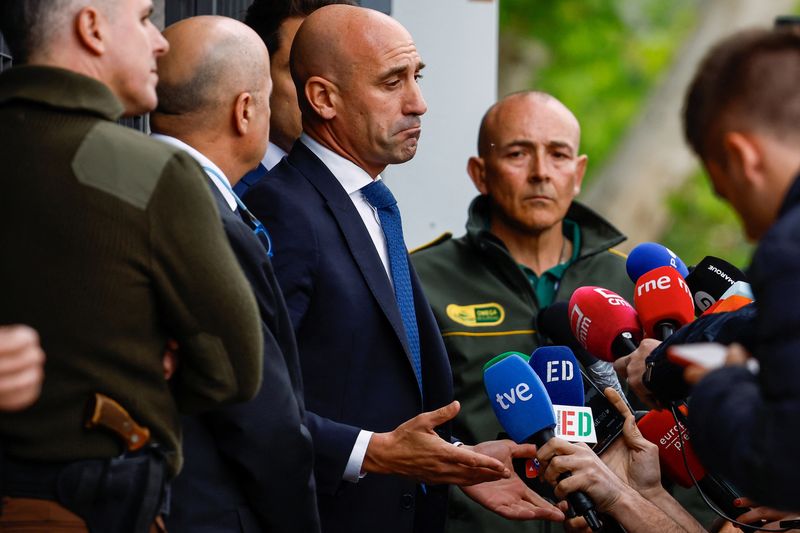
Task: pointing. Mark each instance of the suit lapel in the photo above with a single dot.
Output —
(355, 234)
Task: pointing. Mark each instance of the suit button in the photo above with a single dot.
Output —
(407, 501)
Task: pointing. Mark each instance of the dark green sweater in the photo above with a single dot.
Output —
(111, 244)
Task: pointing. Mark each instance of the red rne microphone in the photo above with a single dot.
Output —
(660, 428)
(664, 302)
(604, 323)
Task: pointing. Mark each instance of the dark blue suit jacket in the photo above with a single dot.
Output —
(248, 467)
(357, 371)
(744, 426)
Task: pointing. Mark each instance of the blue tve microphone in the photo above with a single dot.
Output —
(558, 369)
(650, 255)
(525, 411)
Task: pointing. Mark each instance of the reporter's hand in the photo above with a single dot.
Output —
(511, 498)
(576, 524)
(632, 368)
(757, 513)
(589, 473)
(414, 450)
(21, 367)
(737, 356)
(632, 458)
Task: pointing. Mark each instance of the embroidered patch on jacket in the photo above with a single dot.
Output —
(488, 314)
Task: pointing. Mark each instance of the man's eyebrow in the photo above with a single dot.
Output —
(530, 144)
(561, 144)
(400, 70)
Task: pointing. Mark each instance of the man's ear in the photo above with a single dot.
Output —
(322, 95)
(91, 28)
(476, 168)
(580, 171)
(243, 109)
(746, 153)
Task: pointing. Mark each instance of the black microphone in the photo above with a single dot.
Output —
(709, 280)
(553, 324)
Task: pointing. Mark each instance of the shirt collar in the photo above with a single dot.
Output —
(273, 156)
(351, 176)
(59, 88)
(204, 162)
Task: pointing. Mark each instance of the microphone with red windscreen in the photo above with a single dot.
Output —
(664, 302)
(660, 428)
(604, 323)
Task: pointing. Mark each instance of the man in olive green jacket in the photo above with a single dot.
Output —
(528, 244)
(111, 246)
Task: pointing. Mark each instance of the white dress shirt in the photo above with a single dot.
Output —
(273, 156)
(353, 178)
(204, 162)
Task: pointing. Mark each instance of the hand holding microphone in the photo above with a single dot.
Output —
(524, 409)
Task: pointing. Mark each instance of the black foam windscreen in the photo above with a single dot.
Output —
(553, 323)
(709, 280)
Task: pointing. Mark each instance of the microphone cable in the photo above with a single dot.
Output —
(785, 525)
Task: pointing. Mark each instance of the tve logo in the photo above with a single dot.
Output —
(521, 392)
(575, 423)
(559, 371)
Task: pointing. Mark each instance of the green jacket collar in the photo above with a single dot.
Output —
(60, 88)
(597, 235)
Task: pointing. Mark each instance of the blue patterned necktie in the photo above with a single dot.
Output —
(380, 197)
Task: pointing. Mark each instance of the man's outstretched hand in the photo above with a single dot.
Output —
(510, 497)
(416, 451)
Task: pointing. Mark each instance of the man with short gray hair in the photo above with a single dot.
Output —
(114, 248)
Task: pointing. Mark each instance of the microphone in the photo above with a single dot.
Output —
(558, 369)
(559, 372)
(709, 280)
(663, 301)
(660, 428)
(740, 288)
(650, 255)
(553, 323)
(525, 411)
(604, 323)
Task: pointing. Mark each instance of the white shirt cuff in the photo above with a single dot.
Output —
(352, 472)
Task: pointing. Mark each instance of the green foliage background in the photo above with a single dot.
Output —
(601, 58)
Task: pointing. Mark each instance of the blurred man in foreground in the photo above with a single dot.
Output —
(742, 118)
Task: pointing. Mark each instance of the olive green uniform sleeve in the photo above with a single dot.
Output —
(205, 296)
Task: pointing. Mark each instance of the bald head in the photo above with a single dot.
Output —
(337, 40)
(533, 105)
(213, 92)
(356, 73)
(212, 59)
